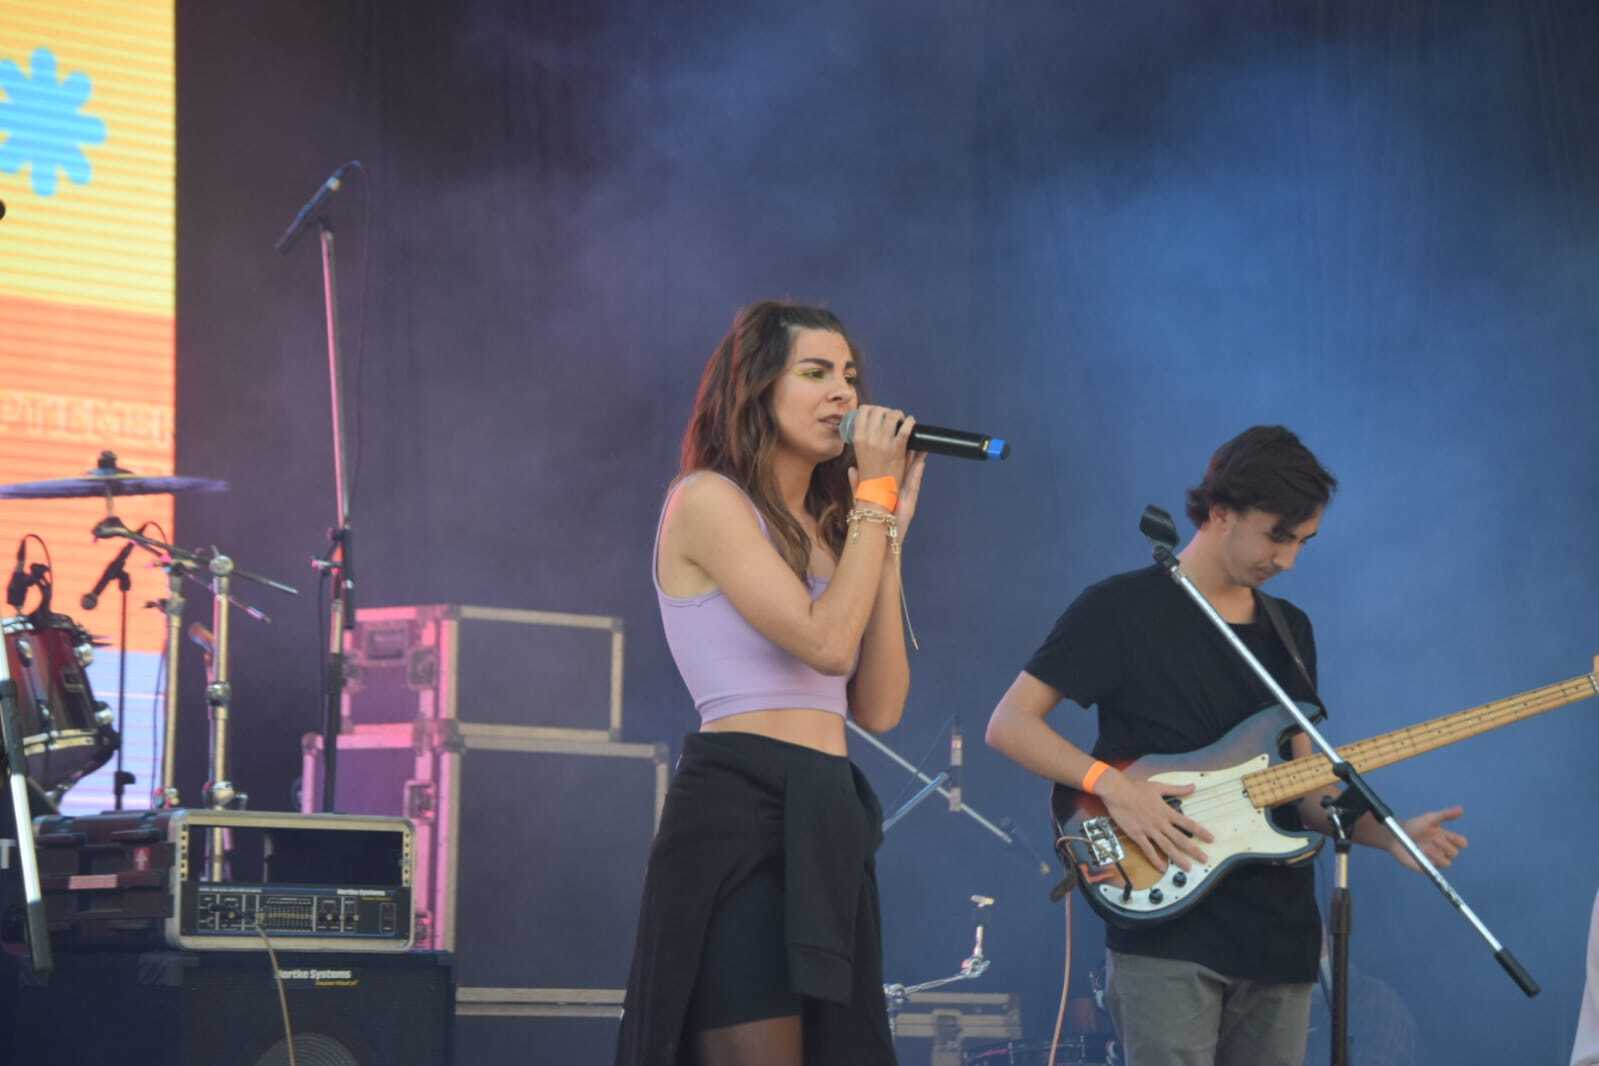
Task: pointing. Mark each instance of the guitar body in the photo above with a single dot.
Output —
(1132, 892)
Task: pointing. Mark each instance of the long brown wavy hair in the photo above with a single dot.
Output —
(734, 433)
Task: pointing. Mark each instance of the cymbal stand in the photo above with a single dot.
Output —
(972, 967)
(22, 816)
(166, 797)
(120, 778)
(219, 792)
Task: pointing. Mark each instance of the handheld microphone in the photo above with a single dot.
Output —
(957, 751)
(2, 209)
(116, 568)
(936, 440)
(312, 206)
(17, 589)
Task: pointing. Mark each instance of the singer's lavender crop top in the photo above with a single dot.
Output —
(728, 666)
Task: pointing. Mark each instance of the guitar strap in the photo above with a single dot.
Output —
(1274, 612)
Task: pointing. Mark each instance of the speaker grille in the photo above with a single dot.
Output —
(310, 1049)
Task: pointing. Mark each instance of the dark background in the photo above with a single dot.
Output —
(1116, 234)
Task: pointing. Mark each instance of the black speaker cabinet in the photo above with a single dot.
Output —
(222, 1009)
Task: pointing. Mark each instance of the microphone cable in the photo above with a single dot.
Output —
(283, 996)
(1065, 985)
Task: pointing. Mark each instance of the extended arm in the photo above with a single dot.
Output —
(1437, 841)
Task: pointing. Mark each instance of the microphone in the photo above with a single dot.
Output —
(2, 209)
(312, 206)
(17, 589)
(939, 441)
(957, 751)
(116, 568)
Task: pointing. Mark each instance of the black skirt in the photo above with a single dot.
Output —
(741, 808)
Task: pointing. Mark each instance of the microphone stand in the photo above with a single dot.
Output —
(22, 816)
(121, 779)
(218, 792)
(910, 804)
(1011, 837)
(167, 798)
(1157, 526)
(338, 561)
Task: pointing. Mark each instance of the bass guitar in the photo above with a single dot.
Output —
(1237, 781)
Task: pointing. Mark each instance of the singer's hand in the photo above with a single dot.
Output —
(910, 487)
(879, 450)
(1140, 810)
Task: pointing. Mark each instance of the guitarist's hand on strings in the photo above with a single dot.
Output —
(1140, 810)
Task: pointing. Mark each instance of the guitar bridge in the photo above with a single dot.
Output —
(1105, 849)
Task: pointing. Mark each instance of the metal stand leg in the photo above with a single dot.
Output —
(1342, 812)
(22, 815)
(120, 778)
(166, 798)
(219, 791)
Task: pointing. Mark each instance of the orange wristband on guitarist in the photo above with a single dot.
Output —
(883, 491)
(1095, 772)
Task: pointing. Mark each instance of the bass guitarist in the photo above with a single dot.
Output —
(1227, 982)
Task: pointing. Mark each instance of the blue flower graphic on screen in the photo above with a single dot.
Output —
(40, 124)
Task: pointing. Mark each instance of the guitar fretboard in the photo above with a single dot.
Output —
(1300, 777)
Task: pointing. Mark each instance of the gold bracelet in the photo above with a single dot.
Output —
(889, 523)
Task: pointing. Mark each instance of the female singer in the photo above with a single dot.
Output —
(776, 569)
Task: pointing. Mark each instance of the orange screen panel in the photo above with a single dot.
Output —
(87, 359)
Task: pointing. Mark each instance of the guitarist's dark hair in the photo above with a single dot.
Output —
(1264, 468)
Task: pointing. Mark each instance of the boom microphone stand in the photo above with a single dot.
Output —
(1007, 832)
(338, 560)
(1357, 798)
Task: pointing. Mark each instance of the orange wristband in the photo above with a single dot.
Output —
(1095, 772)
(883, 491)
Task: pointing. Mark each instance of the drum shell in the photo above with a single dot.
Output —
(58, 718)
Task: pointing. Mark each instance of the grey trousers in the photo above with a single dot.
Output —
(1170, 1013)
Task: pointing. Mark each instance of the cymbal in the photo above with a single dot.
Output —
(116, 485)
(109, 479)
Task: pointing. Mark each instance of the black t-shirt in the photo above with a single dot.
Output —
(1165, 682)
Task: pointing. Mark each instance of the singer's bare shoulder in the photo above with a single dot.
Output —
(704, 499)
(707, 518)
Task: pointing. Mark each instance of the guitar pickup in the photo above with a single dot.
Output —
(1105, 849)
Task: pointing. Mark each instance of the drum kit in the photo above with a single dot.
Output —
(55, 731)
